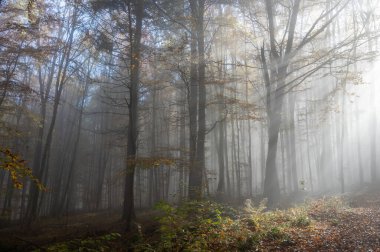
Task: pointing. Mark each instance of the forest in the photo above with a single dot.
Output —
(189, 125)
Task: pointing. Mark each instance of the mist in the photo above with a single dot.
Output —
(113, 114)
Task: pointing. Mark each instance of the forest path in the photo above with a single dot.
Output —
(353, 228)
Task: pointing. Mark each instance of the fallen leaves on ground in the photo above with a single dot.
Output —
(337, 227)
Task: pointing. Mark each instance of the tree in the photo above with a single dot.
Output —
(281, 54)
(135, 56)
(197, 100)
(57, 80)
(274, 78)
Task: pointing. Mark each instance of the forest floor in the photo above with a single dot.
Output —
(355, 226)
(345, 223)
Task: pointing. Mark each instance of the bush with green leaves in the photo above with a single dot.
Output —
(202, 226)
(209, 226)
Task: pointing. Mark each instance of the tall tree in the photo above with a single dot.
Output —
(43, 148)
(276, 60)
(137, 12)
(197, 100)
(274, 78)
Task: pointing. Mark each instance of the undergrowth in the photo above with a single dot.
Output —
(91, 244)
(210, 226)
(328, 208)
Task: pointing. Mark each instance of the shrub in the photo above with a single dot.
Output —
(301, 221)
(202, 225)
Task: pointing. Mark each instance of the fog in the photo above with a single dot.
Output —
(117, 106)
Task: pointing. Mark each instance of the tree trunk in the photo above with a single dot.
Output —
(271, 183)
(292, 141)
(197, 162)
(128, 205)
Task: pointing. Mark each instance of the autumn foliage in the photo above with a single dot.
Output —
(17, 168)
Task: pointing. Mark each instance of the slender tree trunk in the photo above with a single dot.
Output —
(193, 106)
(198, 164)
(359, 150)
(250, 168)
(228, 179)
(182, 144)
(373, 125)
(233, 156)
(292, 140)
(43, 150)
(201, 137)
(238, 163)
(308, 149)
(262, 153)
(128, 205)
(221, 183)
(282, 134)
